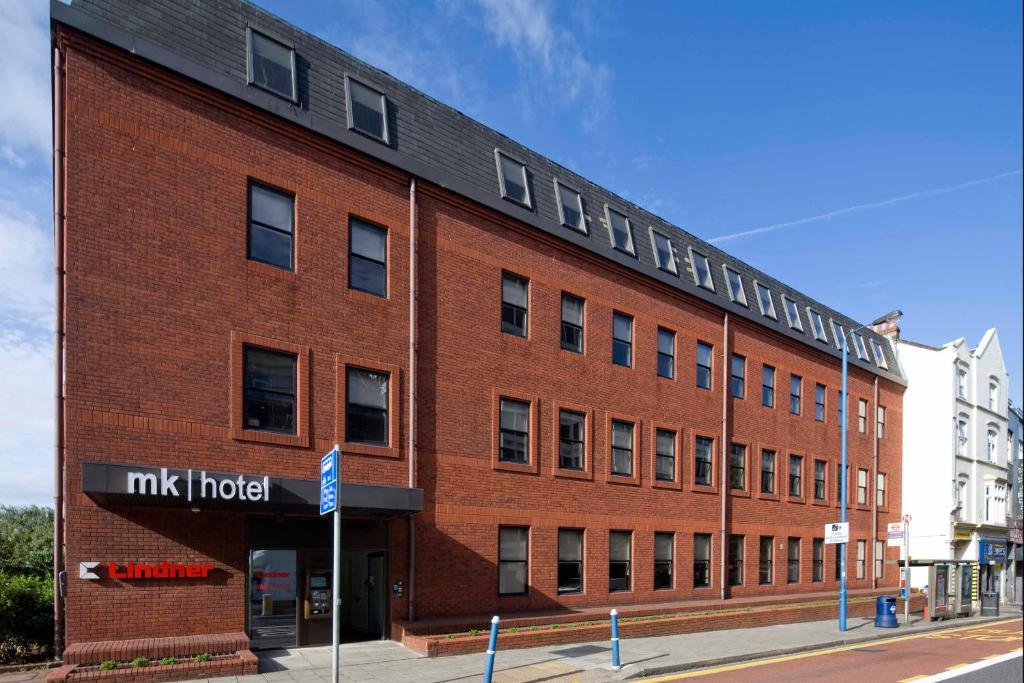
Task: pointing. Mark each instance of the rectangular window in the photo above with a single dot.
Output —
(665, 455)
(622, 448)
(514, 426)
(862, 416)
(271, 65)
(737, 467)
(571, 430)
(817, 325)
(701, 560)
(270, 390)
(622, 340)
(666, 353)
(621, 231)
(796, 466)
(961, 436)
(570, 560)
(572, 323)
(735, 560)
(702, 461)
(880, 426)
(512, 179)
(764, 300)
(768, 386)
(367, 110)
(879, 559)
(862, 487)
(512, 558)
(839, 480)
(793, 561)
(663, 557)
(366, 406)
(767, 471)
(839, 560)
(993, 396)
(515, 296)
(839, 333)
(961, 382)
(880, 490)
(795, 388)
(735, 283)
(819, 402)
(765, 571)
(620, 555)
(792, 313)
(704, 353)
(367, 258)
(862, 549)
(819, 479)
(876, 348)
(664, 255)
(570, 208)
(818, 560)
(271, 226)
(862, 350)
(702, 271)
(738, 371)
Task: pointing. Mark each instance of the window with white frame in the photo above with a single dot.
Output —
(701, 270)
(620, 231)
(876, 348)
(664, 256)
(817, 325)
(570, 208)
(989, 517)
(367, 110)
(990, 450)
(862, 350)
(512, 179)
(735, 283)
(993, 396)
(764, 300)
(999, 503)
(838, 332)
(271, 65)
(961, 436)
(792, 313)
(961, 381)
(880, 422)
(961, 499)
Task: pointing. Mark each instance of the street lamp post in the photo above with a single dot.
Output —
(842, 467)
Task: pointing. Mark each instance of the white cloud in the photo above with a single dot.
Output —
(25, 79)
(26, 418)
(26, 257)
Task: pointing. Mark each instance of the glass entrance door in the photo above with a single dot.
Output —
(272, 598)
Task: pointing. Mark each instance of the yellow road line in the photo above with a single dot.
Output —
(815, 653)
(912, 678)
(957, 666)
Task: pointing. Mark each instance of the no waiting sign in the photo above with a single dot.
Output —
(895, 535)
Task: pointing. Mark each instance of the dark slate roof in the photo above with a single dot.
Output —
(206, 40)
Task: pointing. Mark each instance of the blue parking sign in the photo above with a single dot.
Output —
(329, 482)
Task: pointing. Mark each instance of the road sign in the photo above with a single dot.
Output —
(906, 519)
(837, 532)
(895, 535)
(329, 482)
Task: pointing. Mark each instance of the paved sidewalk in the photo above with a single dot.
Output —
(386, 661)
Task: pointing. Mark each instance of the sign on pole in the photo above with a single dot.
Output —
(837, 532)
(329, 482)
(895, 535)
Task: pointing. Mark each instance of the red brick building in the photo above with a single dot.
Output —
(268, 247)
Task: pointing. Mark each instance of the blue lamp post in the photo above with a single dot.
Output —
(842, 472)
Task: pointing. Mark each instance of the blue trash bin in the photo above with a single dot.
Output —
(885, 611)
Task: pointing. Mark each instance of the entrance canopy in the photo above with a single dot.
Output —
(111, 484)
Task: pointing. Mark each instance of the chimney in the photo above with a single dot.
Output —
(890, 329)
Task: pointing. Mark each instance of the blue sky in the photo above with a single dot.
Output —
(873, 149)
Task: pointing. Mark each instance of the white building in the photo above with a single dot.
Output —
(955, 470)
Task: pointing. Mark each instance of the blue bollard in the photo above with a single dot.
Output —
(615, 640)
(492, 645)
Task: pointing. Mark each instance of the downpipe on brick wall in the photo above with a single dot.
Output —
(724, 449)
(57, 87)
(412, 393)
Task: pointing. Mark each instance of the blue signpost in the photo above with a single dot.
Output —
(330, 470)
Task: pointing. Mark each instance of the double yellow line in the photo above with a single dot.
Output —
(816, 653)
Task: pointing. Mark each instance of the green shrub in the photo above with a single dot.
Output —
(140, 662)
(535, 627)
(26, 540)
(204, 657)
(513, 629)
(108, 665)
(555, 626)
(26, 618)
(164, 661)
(473, 632)
(450, 636)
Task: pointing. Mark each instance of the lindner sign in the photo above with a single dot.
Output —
(91, 571)
(195, 486)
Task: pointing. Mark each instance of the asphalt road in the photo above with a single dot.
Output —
(980, 653)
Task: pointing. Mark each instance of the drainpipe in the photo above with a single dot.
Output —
(874, 499)
(412, 391)
(58, 339)
(723, 479)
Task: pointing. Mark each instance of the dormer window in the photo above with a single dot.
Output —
(862, 350)
(512, 179)
(570, 208)
(620, 231)
(701, 270)
(735, 285)
(664, 256)
(764, 300)
(792, 314)
(817, 325)
(367, 110)
(876, 348)
(271, 65)
(839, 334)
